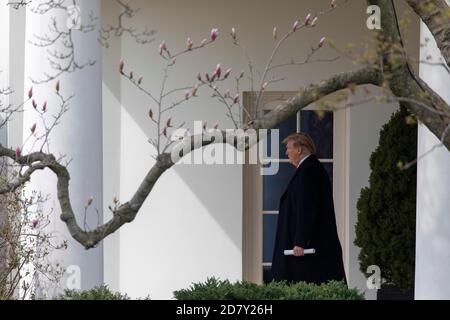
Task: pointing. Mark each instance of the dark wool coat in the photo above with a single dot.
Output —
(307, 219)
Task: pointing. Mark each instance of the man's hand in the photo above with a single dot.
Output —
(298, 251)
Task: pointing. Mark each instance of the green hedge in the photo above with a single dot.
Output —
(214, 289)
(386, 226)
(97, 293)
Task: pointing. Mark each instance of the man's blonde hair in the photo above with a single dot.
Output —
(301, 139)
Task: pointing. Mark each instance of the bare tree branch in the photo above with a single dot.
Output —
(19, 4)
(61, 61)
(118, 30)
(127, 212)
(436, 15)
(400, 78)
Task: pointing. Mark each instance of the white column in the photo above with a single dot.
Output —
(433, 201)
(4, 82)
(4, 63)
(78, 136)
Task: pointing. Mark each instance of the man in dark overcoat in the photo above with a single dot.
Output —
(307, 220)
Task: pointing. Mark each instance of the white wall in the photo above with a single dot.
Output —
(4, 63)
(433, 202)
(190, 226)
(111, 145)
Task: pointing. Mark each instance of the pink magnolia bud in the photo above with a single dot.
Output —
(333, 3)
(213, 78)
(169, 123)
(189, 44)
(57, 87)
(34, 223)
(121, 66)
(131, 75)
(44, 106)
(216, 126)
(203, 42)
(115, 200)
(91, 199)
(150, 114)
(140, 81)
(162, 47)
(314, 22)
(34, 104)
(227, 73)
(194, 91)
(218, 71)
(33, 128)
(30, 93)
(207, 77)
(236, 99)
(275, 33)
(205, 125)
(187, 95)
(214, 34)
(295, 26)
(165, 132)
(321, 42)
(199, 77)
(308, 19)
(233, 33)
(265, 84)
(18, 153)
(241, 75)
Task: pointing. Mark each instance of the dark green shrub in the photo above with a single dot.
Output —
(214, 289)
(97, 293)
(385, 230)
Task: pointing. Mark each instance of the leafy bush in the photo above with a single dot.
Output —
(214, 289)
(97, 293)
(385, 230)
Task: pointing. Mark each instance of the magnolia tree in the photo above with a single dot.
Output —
(388, 66)
(26, 245)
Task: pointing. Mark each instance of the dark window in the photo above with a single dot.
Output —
(267, 274)
(269, 229)
(320, 127)
(285, 129)
(275, 185)
(329, 169)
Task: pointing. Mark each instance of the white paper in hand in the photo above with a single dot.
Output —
(306, 251)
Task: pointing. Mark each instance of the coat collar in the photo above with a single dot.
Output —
(307, 160)
(303, 160)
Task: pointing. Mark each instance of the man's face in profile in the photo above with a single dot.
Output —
(293, 153)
